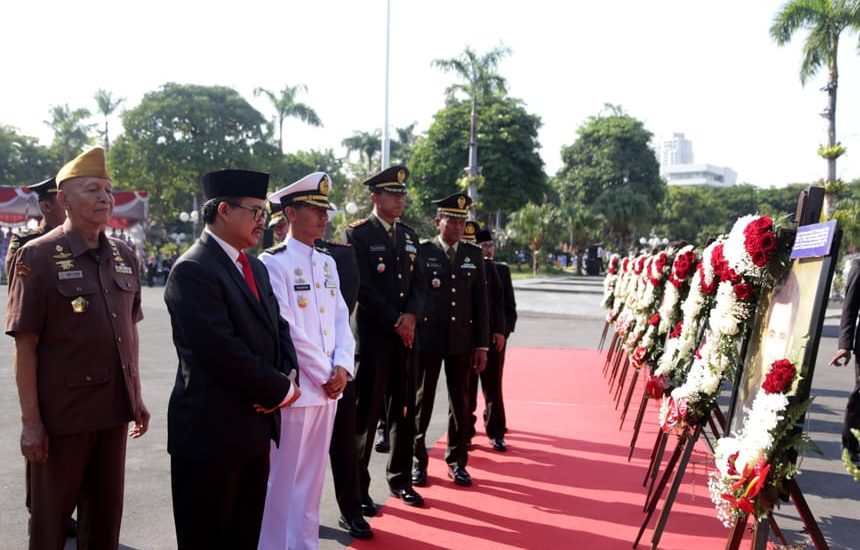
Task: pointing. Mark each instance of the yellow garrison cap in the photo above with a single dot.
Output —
(89, 164)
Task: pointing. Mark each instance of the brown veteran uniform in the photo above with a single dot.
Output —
(83, 304)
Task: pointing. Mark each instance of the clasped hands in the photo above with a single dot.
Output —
(297, 392)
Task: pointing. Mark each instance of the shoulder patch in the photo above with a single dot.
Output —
(280, 247)
(358, 223)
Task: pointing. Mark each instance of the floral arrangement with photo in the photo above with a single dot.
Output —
(753, 464)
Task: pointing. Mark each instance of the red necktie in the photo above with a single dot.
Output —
(249, 275)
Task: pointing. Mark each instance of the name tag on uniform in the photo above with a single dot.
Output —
(329, 283)
(468, 266)
(65, 275)
(124, 269)
(433, 262)
(410, 248)
(377, 248)
(299, 288)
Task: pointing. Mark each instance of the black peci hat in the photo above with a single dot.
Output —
(235, 183)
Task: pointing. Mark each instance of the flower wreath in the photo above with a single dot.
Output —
(620, 292)
(609, 281)
(652, 282)
(678, 355)
(665, 321)
(752, 465)
(650, 347)
(741, 267)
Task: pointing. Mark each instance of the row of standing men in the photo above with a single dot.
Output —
(266, 355)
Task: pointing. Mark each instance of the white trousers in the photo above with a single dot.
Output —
(291, 518)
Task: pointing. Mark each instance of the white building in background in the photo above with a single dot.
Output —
(699, 174)
(676, 150)
(678, 167)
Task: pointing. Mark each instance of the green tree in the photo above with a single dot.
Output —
(512, 168)
(580, 224)
(181, 131)
(23, 160)
(694, 214)
(71, 132)
(286, 106)
(611, 166)
(533, 225)
(479, 80)
(367, 144)
(107, 105)
(825, 21)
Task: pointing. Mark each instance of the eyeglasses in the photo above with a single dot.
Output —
(258, 212)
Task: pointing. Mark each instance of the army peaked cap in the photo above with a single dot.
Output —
(392, 180)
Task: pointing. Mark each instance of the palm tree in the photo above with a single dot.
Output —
(479, 80)
(285, 105)
(71, 134)
(107, 105)
(367, 144)
(825, 20)
(532, 223)
(401, 148)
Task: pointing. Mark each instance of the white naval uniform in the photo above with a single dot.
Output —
(307, 286)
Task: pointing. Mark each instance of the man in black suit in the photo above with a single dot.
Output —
(237, 367)
(495, 421)
(849, 337)
(390, 299)
(455, 329)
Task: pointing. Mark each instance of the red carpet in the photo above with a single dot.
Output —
(565, 481)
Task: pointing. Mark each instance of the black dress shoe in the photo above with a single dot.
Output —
(381, 445)
(499, 444)
(419, 477)
(368, 507)
(357, 527)
(460, 476)
(408, 496)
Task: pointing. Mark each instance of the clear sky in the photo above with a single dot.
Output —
(704, 68)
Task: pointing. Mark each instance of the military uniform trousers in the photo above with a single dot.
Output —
(491, 386)
(385, 381)
(458, 369)
(87, 470)
(343, 456)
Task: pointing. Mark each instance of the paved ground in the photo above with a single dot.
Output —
(554, 314)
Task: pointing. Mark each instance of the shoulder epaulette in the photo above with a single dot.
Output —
(333, 245)
(473, 245)
(358, 223)
(280, 247)
(426, 241)
(407, 226)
